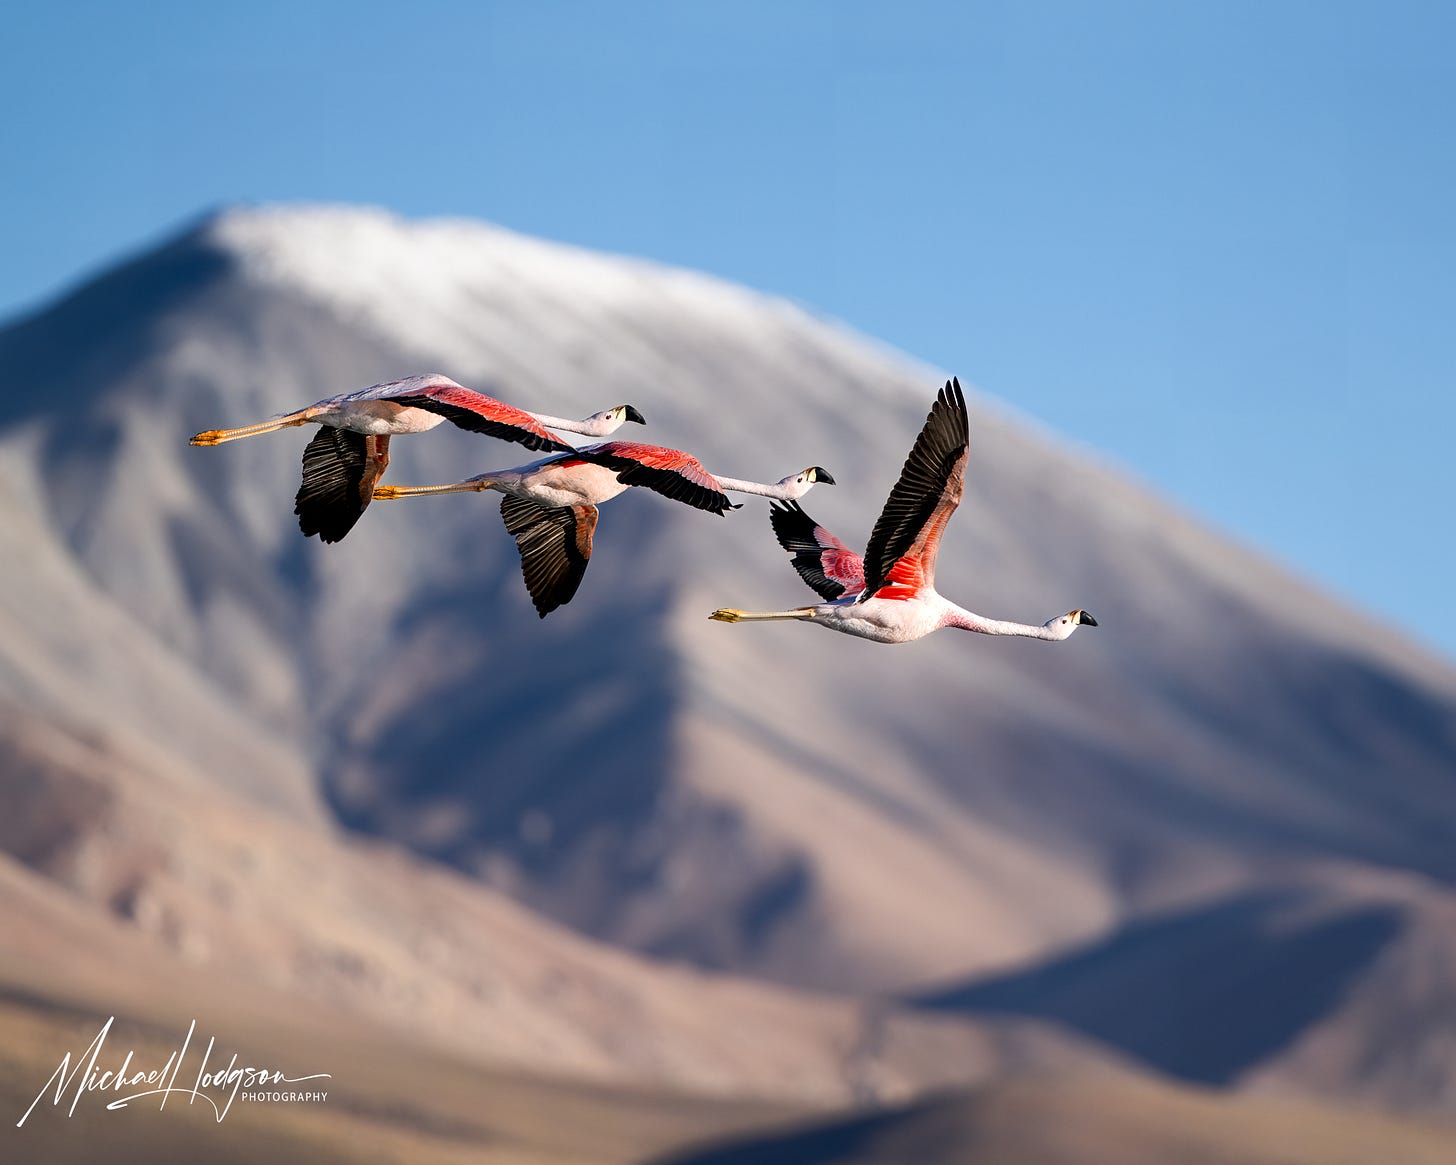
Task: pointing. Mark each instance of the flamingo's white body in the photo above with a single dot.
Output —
(551, 483)
(901, 621)
(550, 506)
(350, 453)
(888, 594)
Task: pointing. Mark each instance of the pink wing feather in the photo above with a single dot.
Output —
(466, 409)
(824, 562)
(670, 472)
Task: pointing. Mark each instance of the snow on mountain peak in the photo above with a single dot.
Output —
(423, 283)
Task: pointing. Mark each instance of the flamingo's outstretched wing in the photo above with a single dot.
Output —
(670, 472)
(555, 547)
(464, 408)
(824, 562)
(900, 558)
(340, 469)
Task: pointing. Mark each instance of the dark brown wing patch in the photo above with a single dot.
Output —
(555, 546)
(340, 468)
(932, 479)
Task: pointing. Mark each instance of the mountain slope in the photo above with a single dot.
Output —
(1037, 1121)
(136, 893)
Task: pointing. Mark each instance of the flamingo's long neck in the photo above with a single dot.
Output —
(590, 426)
(970, 621)
(784, 490)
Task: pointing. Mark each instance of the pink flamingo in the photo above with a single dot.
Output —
(889, 595)
(550, 507)
(350, 453)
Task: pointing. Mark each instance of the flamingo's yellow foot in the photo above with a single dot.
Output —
(386, 491)
(209, 437)
(727, 615)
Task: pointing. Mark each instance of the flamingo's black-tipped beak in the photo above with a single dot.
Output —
(634, 415)
(1085, 618)
(821, 475)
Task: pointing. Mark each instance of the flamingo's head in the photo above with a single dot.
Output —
(798, 484)
(1063, 625)
(608, 421)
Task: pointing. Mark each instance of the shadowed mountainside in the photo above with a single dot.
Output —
(1206, 993)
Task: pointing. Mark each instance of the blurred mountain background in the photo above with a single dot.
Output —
(626, 884)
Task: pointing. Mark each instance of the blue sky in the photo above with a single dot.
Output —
(1213, 242)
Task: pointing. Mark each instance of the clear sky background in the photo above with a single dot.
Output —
(1213, 241)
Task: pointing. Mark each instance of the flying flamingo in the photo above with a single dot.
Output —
(550, 507)
(889, 595)
(350, 452)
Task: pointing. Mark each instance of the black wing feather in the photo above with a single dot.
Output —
(473, 422)
(795, 531)
(555, 546)
(667, 482)
(943, 441)
(329, 500)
